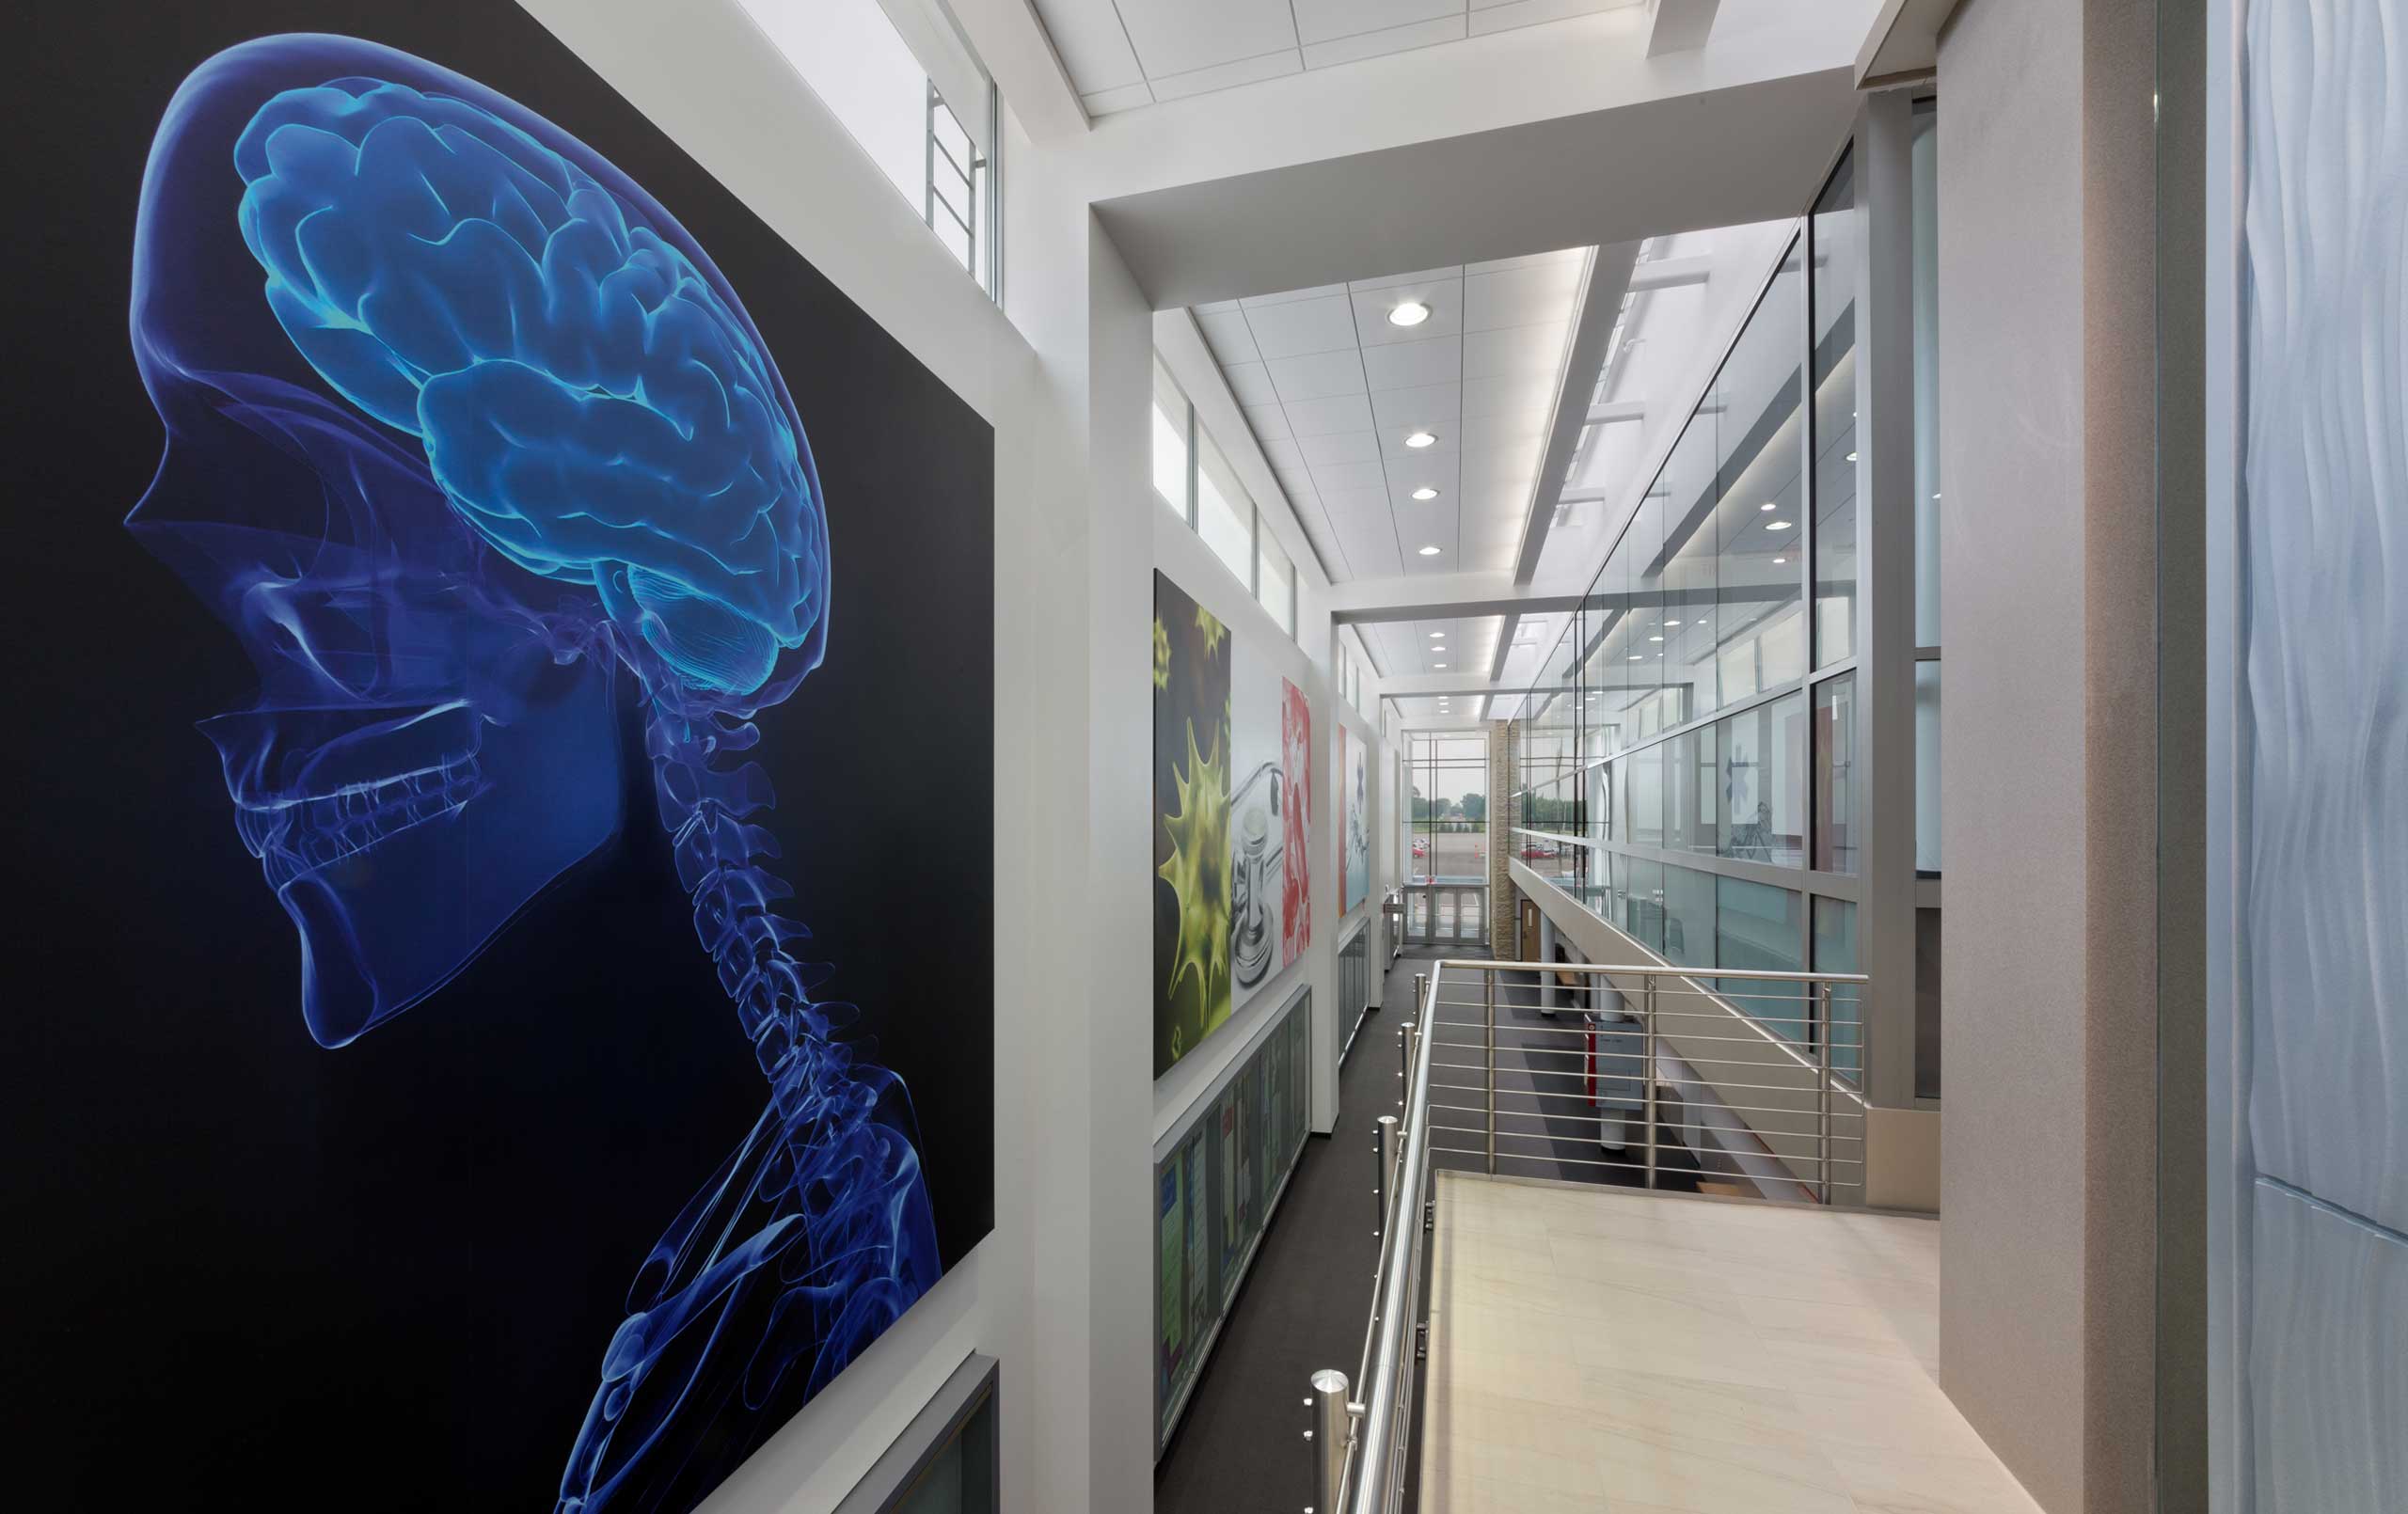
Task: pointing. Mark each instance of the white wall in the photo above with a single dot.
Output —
(1065, 1303)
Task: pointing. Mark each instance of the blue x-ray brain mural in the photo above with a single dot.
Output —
(486, 467)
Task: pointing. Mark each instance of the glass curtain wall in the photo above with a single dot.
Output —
(1447, 807)
(1687, 751)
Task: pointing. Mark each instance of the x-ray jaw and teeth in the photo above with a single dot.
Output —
(559, 450)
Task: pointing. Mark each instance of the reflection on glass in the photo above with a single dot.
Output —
(1835, 952)
(1835, 795)
(1927, 768)
(1761, 803)
(1673, 623)
(1642, 785)
(1925, 195)
(1275, 582)
(1758, 928)
(1690, 789)
(1640, 888)
(1758, 523)
(1170, 443)
(1926, 1003)
(1224, 512)
(1837, 468)
(1689, 917)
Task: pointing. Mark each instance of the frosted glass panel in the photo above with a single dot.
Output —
(2330, 1392)
(2325, 639)
(2319, 626)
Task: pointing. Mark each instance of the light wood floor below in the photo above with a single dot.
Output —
(1648, 1354)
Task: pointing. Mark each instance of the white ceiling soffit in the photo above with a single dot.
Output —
(1904, 44)
(1334, 389)
(1453, 651)
(1122, 54)
(1663, 164)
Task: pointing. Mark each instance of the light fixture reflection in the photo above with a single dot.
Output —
(1776, 526)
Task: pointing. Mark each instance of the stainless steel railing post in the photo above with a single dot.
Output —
(1412, 1030)
(1384, 1148)
(1823, 1097)
(1488, 1012)
(1647, 1073)
(1332, 1430)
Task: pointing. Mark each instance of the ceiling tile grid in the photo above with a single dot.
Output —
(1335, 390)
(1122, 54)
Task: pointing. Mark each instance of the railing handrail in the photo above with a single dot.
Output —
(1370, 1469)
(1658, 969)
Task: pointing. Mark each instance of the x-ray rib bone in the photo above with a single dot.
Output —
(558, 458)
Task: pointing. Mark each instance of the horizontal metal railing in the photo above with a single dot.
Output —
(1774, 1058)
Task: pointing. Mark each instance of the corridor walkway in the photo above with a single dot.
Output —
(1239, 1447)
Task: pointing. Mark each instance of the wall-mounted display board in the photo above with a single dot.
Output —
(1232, 823)
(1353, 984)
(947, 1461)
(1216, 1179)
(473, 1038)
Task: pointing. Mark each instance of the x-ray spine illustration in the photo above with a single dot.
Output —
(562, 461)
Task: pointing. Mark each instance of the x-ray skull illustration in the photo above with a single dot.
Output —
(468, 440)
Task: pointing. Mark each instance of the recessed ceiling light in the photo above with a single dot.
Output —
(1425, 492)
(1776, 526)
(1429, 551)
(1634, 656)
(1411, 313)
(1671, 622)
(1438, 665)
(1655, 638)
(1436, 635)
(1768, 505)
(1778, 562)
(1851, 457)
(1422, 438)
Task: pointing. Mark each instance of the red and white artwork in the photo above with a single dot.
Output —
(1296, 791)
